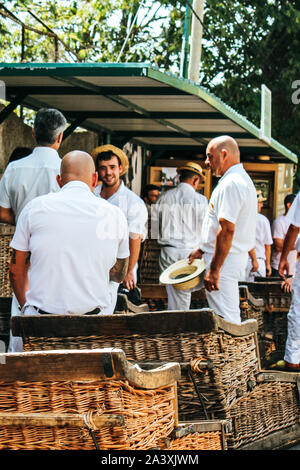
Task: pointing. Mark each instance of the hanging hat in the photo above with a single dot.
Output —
(182, 275)
(192, 166)
(260, 197)
(116, 151)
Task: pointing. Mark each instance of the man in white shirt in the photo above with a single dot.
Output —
(292, 346)
(32, 176)
(228, 232)
(180, 213)
(112, 163)
(75, 242)
(279, 230)
(263, 244)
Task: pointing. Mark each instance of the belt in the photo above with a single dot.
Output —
(92, 312)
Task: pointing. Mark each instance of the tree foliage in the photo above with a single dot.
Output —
(245, 44)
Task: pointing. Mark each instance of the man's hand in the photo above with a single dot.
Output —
(283, 268)
(286, 285)
(211, 280)
(196, 254)
(254, 266)
(129, 281)
(268, 270)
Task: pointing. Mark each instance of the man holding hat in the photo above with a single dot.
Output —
(112, 163)
(180, 213)
(228, 233)
(262, 244)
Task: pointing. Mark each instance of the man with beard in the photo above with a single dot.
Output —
(112, 163)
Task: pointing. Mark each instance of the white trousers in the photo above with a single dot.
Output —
(15, 342)
(261, 272)
(226, 301)
(177, 299)
(292, 346)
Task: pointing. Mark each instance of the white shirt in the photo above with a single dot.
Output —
(293, 214)
(179, 213)
(132, 206)
(74, 239)
(29, 177)
(263, 235)
(280, 227)
(235, 200)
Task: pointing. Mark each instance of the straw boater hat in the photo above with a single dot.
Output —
(260, 197)
(183, 275)
(116, 151)
(191, 166)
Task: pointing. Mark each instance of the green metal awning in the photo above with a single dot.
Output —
(137, 103)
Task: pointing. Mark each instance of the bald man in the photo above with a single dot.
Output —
(68, 245)
(228, 232)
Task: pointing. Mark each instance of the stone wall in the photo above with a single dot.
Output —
(14, 133)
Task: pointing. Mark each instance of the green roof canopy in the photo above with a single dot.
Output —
(134, 102)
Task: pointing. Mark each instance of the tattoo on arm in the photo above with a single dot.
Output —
(13, 259)
(119, 270)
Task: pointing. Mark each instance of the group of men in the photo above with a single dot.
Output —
(79, 229)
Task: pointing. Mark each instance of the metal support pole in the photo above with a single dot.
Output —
(196, 39)
(185, 42)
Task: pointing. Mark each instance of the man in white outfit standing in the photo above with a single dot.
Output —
(32, 176)
(228, 232)
(292, 346)
(180, 213)
(263, 244)
(112, 163)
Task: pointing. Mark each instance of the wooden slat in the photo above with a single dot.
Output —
(81, 365)
(261, 289)
(158, 291)
(201, 321)
(185, 428)
(64, 419)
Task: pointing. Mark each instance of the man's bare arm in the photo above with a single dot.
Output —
(134, 249)
(18, 273)
(288, 245)
(119, 270)
(7, 216)
(222, 247)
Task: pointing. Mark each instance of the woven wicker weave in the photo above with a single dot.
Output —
(149, 414)
(201, 435)
(6, 234)
(234, 356)
(270, 407)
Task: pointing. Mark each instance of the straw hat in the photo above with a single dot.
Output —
(260, 197)
(116, 151)
(191, 166)
(183, 275)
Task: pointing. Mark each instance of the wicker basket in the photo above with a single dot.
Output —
(82, 400)
(272, 317)
(219, 359)
(271, 406)
(202, 435)
(6, 234)
(148, 264)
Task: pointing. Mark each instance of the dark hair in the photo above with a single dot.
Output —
(288, 199)
(108, 155)
(48, 124)
(19, 152)
(187, 174)
(149, 187)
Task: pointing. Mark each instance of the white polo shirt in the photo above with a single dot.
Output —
(235, 200)
(29, 177)
(293, 214)
(180, 213)
(263, 235)
(280, 227)
(75, 239)
(132, 206)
